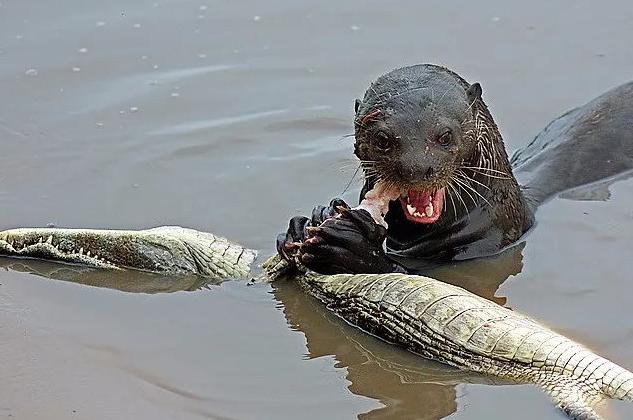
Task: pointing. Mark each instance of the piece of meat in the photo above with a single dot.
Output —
(376, 201)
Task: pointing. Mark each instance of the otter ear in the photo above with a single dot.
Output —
(473, 92)
(357, 104)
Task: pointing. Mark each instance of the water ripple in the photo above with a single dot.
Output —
(193, 126)
(111, 92)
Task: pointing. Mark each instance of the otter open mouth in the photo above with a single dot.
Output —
(423, 206)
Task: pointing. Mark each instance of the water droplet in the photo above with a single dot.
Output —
(82, 50)
(355, 28)
(201, 16)
(31, 72)
(99, 124)
(133, 109)
(122, 112)
(144, 57)
(101, 23)
(202, 55)
(19, 36)
(203, 7)
(496, 18)
(76, 69)
(256, 18)
(155, 66)
(136, 25)
(175, 94)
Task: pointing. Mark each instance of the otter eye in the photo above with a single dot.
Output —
(383, 141)
(445, 138)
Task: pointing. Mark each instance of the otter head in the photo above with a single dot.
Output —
(414, 129)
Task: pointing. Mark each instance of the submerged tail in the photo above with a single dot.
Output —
(466, 331)
(584, 382)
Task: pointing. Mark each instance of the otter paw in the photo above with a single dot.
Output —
(321, 213)
(288, 243)
(350, 243)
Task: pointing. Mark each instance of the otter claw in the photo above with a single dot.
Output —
(307, 258)
(342, 210)
(313, 230)
(314, 240)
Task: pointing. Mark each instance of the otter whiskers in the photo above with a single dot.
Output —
(453, 188)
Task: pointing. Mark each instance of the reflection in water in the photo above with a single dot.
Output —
(125, 281)
(597, 191)
(408, 385)
(483, 276)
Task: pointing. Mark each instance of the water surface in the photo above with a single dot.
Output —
(229, 117)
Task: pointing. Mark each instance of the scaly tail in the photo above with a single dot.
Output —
(586, 380)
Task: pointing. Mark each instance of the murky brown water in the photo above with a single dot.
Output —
(227, 116)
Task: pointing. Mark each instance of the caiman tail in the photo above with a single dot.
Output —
(433, 319)
(451, 325)
(591, 373)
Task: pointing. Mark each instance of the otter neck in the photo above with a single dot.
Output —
(487, 173)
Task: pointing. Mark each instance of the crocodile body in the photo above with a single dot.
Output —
(453, 326)
(171, 250)
(428, 317)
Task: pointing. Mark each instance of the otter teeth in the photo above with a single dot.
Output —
(429, 210)
(413, 211)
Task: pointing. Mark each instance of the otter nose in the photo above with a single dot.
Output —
(415, 172)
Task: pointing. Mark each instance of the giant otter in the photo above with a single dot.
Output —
(426, 131)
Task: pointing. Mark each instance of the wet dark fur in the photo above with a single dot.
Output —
(399, 126)
(484, 209)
